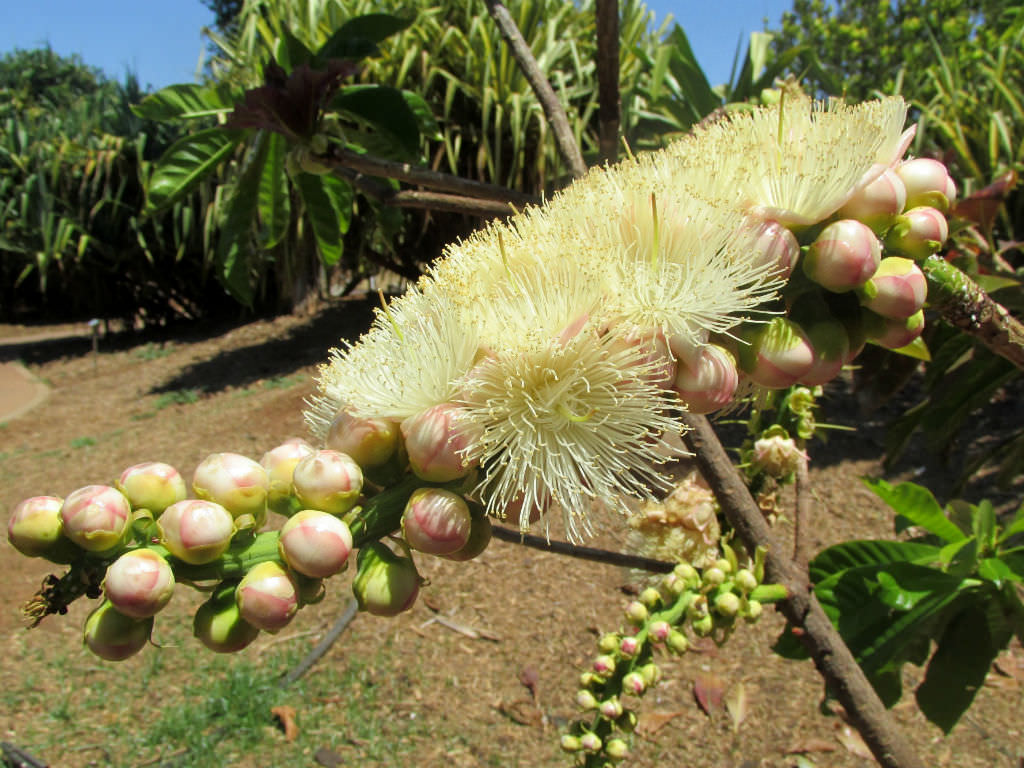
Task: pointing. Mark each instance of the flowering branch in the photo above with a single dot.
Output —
(831, 656)
(553, 109)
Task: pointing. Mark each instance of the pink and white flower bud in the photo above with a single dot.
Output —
(267, 597)
(236, 482)
(604, 665)
(709, 382)
(279, 464)
(370, 442)
(918, 233)
(628, 647)
(436, 521)
(654, 358)
(329, 481)
(585, 700)
(152, 485)
(219, 626)
(616, 749)
(385, 584)
(893, 334)
(196, 531)
(898, 289)
(878, 203)
(776, 247)
(777, 456)
(927, 182)
(316, 544)
(778, 354)
(634, 684)
(35, 525)
(95, 517)
(591, 742)
(437, 441)
(479, 538)
(610, 708)
(831, 346)
(139, 583)
(113, 636)
(844, 256)
(659, 631)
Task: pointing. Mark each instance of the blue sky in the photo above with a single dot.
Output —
(161, 41)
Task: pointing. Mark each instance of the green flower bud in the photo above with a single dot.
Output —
(753, 612)
(279, 463)
(651, 598)
(385, 584)
(727, 604)
(95, 517)
(636, 613)
(589, 680)
(591, 742)
(370, 442)
(688, 574)
(436, 521)
(35, 525)
(659, 631)
(220, 627)
(703, 626)
(713, 576)
(651, 674)
(586, 700)
(153, 486)
(616, 749)
(195, 531)
(570, 743)
(113, 636)
(745, 580)
(677, 642)
(609, 643)
(604, 666)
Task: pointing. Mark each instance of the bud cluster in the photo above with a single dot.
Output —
(686, 603)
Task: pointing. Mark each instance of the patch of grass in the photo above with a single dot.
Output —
(83, 442)
(283, 382)
(177, 397)
(153, 351)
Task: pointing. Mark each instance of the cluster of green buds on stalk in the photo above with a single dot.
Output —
(131, 542)
(686, 603)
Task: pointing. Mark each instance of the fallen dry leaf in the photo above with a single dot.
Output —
(286, 716)
(522, 711)
(528, 677)
(737, 703)
(811, 745)
(327, 757)
(709, 689)
(650, 723)
(853, 742)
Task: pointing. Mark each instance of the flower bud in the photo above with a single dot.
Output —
(570, 743)
(609, 643)
(713, 576)
(709, 382)
(35, 525)
(927, 182)
(636, 613)
(370, 442)
(703, 626)
(279, 464)
(113, 636)
(139, 583)
(314, 543)
(753, 612)
(659, 631)
(195, 531)
(589, 680)
(220, 627)
(698, 607)
(616, 749)
(628, 647)
(610, 708)
(604, 665)
(634, 684)
(651, 673)
(844, 256)
(727, 604)
(385, 584)
(95, 517)
(688, 574)
(724, 565)
(152, 485)
(745, 581)
(479, 538)
(651, 598)
(585, 700)
(777, 248)
(893, 334)
(918, 233)
(437, 440)
(776, 455)
(436, 521)
(897, 290)
(590, 742)
(878, 203)
(677, 642)
(267, 597)
(777, 354)
(236, 482)
(328, 481)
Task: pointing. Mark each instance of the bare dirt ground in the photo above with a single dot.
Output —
(430, 695)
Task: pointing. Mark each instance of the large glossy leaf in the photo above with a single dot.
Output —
(357, 38)
(853, 554)
(693, 83)
(234, 247)
(274, 202)
(383, 108)
(187, 162)
(917, 505)
(185, 101)
(324, 198)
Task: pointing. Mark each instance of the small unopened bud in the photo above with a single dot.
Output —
(727, 604)
(267, 597)
(235, 482)
(659, 631)
(673, 585)
(220, 627)
(589, 680)
(570, 743)
(776, 455)
(844, 256)
(35, 525)
(610, 708)
(724, 565)
(927, 182)
(113, 636)
(703, 626)
(586, 700)
(893, 334)
(636, 613)
(152, 485)
(698, 607)
(877, 203)
(776, 354)
(628, 647)
(651, 673)
(370, 442)
(609, 643)
(753, 612)
(634, 684)
(139, 583)
(918, 233)
(328, 481)
(604, 665)
(713, 576)
(709, 381)
(897, 290)
(437, 441)
(315, 543)
(745, 581)
(776, 247)
(436, 521)
(677, 642)
(651, 598)
(95, 517)
(385, 584)
(196, 531)
(279, 463)
(688, 574)
(591, 742)
(616, 749)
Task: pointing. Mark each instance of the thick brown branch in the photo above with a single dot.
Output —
(607, 13)
(549, 102)
(962, 303)
(831, 656)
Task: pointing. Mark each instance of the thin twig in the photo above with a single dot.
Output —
(801, 513)
(608, 98)
(324, 645)
(582, 553)
(832, 657)
(553, 109)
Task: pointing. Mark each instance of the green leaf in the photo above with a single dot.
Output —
(186, 101)
(984, 526)
(917, 349)
(917, 505)
(424, 115)
(187, 162)
(290, 52)
(235, 242)
(693, 83)
(854, 554)
(274, 202)
(383, 108)
(374, 27)
(995, 570)
(324, 198)
(1017, 526)
(992, 283)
